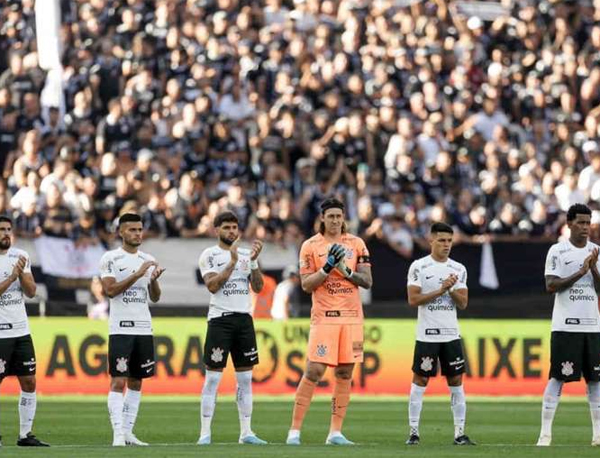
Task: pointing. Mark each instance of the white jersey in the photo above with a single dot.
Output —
(234, 295)
(437, 321)
(129, 312)
(13, 316)
(576, 308)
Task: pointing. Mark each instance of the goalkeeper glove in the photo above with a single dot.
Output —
(341, 264)
(335, 253)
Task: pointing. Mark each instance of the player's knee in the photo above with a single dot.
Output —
(455, 380)
(27, 384)
(118, 384)
(314, 374)
(343, 374)
(134, 384)
(420, 380)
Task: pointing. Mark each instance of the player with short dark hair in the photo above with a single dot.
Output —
(333, 265)
(17, 355)
(129, 278)
(437, 285)
(229, 272)
(572, 276)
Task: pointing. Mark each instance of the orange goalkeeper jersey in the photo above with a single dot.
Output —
(336, 300)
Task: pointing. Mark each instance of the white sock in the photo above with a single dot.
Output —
(115, 411)
(551, 399)
(414, 407)
(593, 393)
(209, 400)
(244, 401)
(459, 409)
(131, 406)
(27, 405)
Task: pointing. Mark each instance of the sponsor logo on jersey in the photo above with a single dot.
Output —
(567, 368)
(572, 321)
(127, 324)
(121, 364)
(333, 313)
(217, 355)
(426, 363)
(5, 326)
(432, 332)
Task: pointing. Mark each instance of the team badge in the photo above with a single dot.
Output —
(349, 253)
(567, 368)
(217, 355)
(426, 363)
(321, 350)
(122, 364)
(2, 366)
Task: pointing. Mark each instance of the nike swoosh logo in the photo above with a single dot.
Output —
(427, 278)
(458, 367)
(222, 264)
(567, 263)
(148, 370)
(252, 359)
(31, 369)
(124, 268)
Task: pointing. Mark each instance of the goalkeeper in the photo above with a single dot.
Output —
(333, 264)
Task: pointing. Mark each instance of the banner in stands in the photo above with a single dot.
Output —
(504, 357)
(62, 258)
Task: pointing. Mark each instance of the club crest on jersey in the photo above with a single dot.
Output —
(567, 368)
(349, 253)
(321, 350)
(122, 364)
(2, 366)
(426, 363)
(217, 355)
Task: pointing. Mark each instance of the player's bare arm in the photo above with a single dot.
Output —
(28, 284)
(215, 281)
(256, 278)
(460, 298)
(362, 277)
(556, 284)
(15, 274)
(416, 297)
(154, 287)
(113, 288)
(594, 269)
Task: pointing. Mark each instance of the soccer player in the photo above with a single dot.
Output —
(437, 285)
(129, 276)
(572, 276)
(333, 264)
(228, 272)
(17, 355)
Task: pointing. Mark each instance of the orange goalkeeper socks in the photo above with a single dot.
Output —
(339, 403)
(304, 395)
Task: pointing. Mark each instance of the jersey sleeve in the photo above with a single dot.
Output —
(414, 275)
(363, 256)
(553, 263)
(107, 266)
(207, 263)
(307, 259)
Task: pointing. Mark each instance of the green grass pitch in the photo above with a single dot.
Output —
(79, 427)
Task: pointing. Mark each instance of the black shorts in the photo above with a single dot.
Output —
(17, 356)
(131, 356)
(450, 354)
(231, 333)
(573, 354)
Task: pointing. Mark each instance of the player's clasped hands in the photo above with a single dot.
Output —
(590, 261)
(233, 249)
(19, 266)
(449, 282)
(144, 267)
(257, 247)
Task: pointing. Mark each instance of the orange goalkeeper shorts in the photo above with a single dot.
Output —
(335, 344)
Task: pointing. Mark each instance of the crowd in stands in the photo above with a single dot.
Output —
(410, 111)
